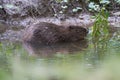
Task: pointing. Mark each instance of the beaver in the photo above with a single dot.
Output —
(49, 33)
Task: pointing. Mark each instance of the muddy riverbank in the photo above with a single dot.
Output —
(12, 30)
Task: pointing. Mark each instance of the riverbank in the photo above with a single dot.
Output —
(13, 29)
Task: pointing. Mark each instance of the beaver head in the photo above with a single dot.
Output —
(76, 33)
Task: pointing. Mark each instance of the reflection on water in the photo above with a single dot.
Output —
(91, 54)
(50, 50)
(103, 48)
(87, 63)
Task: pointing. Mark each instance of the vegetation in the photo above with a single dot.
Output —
(56, 8)
(101, 27)
(100, 60)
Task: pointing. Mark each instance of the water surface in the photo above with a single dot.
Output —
(61, 61)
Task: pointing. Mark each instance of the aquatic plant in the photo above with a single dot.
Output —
(100, 29)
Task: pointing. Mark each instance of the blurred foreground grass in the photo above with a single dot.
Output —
(61, 70)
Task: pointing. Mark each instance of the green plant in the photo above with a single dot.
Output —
(100, 32)
(93, 6)
(97, 6)
(118, 1)
(101, 27)
(105, 2)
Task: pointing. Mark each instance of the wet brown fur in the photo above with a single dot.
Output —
(49, 33)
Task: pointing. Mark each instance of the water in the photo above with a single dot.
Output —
(84, 60)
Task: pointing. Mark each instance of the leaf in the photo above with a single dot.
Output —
(1, 7)
(118, 1)
(94, 6)
(79, 8)
(65, 1)
(74, 10)
(104, 1)
(64, 7)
